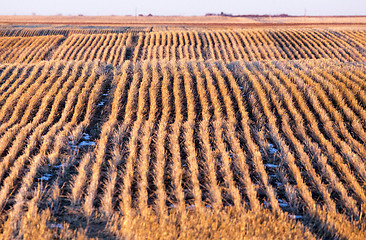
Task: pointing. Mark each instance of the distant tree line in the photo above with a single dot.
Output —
(248, 15)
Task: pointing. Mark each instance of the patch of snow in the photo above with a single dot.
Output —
(295, 216)
(191, 207)
(185, 165)
(57, 166)
(58, 225)
(172, 205)
(282, 203)
(272, 149)
(273, 176)
(87, 143)
(271, 165)
(86, 136)
(45, 177)
(208, 206)
(105, 94)
(241, 87)
(84, 143)
(101, 103)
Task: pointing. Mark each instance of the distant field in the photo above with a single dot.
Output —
(182, 132)
(200, 21)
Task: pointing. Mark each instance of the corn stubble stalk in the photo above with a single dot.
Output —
(313, 147)
(161, 155)
(149, 119)
(285, 152)
(177, 171)
(235, 142)
(100, 153)
(311, 141)
(38, 160)
(304, 159)
(19, 141)
(336, 157)
(188, 131)
(218, 129)
(208, 154)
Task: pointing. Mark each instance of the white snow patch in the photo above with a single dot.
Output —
(208, 206)
(273, 176)
(87, 143)
(295, 216)
(282, 203)
(45, 177)
(172, 205)
(84, 143)
(101, 103)
(272, 149)
(105, 94)
(58, 225)
(271, 165)
(55, 166)
(86, 136)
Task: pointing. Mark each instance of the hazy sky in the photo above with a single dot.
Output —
(182, 7)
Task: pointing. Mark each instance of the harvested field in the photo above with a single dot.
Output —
(182, 134)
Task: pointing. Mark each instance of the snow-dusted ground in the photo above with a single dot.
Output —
(45, 177)
(271, 165)
(56, 225)
(272, 150)
(86, 142)
(295, 216)
(101, 103)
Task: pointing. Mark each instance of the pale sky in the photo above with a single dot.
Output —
(182, 7)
